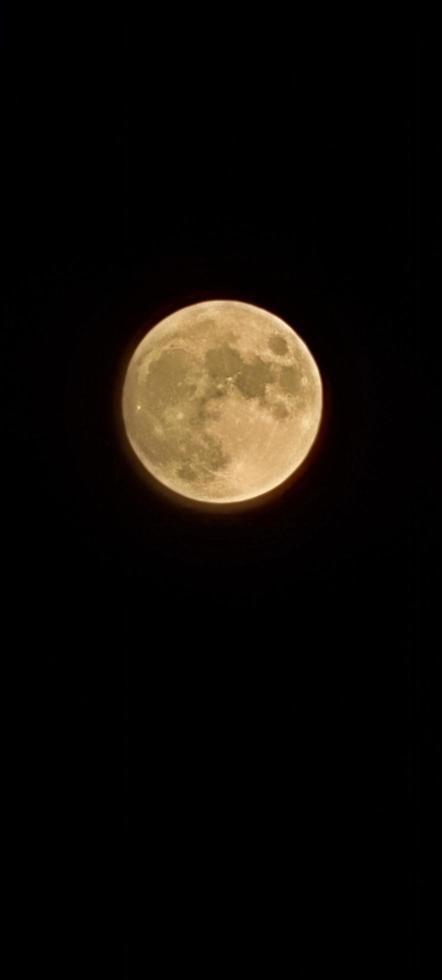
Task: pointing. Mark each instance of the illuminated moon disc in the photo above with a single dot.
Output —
(222, 401)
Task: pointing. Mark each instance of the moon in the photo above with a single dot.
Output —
(221, 401)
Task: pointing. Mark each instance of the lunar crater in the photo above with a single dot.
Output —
(278, 345)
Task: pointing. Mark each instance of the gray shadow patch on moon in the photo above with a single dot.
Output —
(254, 377)
(187, 474)
(223, 362)
(278, 345)
(170, 418)
(166, 381)
(280, 411)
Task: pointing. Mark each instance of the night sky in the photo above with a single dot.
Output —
(216, 715)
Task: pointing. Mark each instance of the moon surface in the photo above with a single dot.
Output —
(221, 401)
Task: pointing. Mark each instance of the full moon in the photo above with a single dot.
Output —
(221, 401)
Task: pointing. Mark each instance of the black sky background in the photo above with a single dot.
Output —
(217, 716)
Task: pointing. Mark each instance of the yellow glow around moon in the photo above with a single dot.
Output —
(222, 401)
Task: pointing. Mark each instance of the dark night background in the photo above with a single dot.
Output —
(217, 715)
